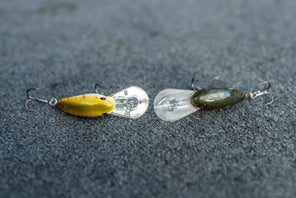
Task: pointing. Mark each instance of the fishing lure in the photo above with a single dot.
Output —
(174, 104)
(131, 102)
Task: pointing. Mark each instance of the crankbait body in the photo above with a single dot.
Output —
(131, 102)
(87, 105)
(216, 98)
(174, 104)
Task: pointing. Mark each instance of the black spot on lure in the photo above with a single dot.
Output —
(174, 104)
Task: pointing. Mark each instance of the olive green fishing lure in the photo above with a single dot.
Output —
(174, 104)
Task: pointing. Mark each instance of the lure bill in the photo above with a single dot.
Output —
(131, 102)
(174, 104)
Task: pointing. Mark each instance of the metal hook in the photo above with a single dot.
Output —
(263, 87)
(98, 85)
(193, 85)
(51, 102)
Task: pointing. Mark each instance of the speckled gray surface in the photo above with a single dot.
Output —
(65, 47)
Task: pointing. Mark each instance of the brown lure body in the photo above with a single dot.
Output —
(215, 98)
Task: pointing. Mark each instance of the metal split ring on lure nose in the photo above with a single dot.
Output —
(131, 102)
(174, 104)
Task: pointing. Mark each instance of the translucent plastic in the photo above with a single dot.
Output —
(173, 104)
(131, 102)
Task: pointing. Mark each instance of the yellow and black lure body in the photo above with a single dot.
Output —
(87, 105)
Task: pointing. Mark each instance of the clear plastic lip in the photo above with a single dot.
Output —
(131, 102)
(173, 104)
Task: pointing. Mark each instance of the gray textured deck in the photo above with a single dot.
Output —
(65, 47)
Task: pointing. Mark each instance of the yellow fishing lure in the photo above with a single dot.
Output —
(131, 102)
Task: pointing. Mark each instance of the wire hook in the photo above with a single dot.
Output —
(97, 86)
(51, 102)
(262, 90)
(194, 86)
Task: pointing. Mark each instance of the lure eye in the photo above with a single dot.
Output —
(102, 98)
